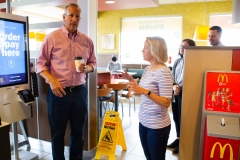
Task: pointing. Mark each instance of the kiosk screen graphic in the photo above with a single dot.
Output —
(13, 55)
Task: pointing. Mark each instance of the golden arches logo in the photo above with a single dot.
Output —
(222, 76)
(222, 150)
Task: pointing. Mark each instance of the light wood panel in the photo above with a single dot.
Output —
(102, 60)
(195, 63)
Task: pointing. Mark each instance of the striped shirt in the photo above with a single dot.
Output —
(159, 82)
(178, 77)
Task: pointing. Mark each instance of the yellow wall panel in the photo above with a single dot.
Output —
(109, 22)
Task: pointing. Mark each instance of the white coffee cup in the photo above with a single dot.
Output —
(78, 61)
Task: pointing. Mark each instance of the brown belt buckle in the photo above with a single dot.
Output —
(71, 89)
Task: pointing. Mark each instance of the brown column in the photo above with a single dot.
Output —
(236, 60)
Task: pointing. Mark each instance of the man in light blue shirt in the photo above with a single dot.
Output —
(114, 65)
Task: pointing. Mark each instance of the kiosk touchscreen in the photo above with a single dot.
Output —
(14, 68)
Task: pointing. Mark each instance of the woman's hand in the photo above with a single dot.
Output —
(135, 88)
(177, 89)
(125, 75)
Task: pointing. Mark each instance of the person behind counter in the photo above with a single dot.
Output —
(177, 72)
(155, 89)
(214, 36)
(67, 94)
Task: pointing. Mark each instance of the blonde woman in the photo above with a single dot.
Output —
(155, 89)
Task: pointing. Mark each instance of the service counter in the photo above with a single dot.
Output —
(196, 61)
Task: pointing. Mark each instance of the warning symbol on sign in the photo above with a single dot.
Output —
(107, 137)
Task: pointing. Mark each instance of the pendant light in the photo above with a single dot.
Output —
(110, 1)
(201, 32)
(236, 13)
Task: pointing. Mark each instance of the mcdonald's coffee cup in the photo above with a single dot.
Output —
(78, 61)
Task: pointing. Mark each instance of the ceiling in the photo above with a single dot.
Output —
(125, 4)
(131, 4)
(39, 14)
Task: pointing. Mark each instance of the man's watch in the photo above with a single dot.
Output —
(149, 93)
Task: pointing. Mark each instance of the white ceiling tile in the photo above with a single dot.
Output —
(167, 2)
(186, 1)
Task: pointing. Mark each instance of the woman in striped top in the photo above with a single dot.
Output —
(155, 89)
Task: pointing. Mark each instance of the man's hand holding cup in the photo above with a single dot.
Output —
(80, 64)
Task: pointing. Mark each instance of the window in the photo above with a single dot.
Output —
(230, 34)
(135, 30)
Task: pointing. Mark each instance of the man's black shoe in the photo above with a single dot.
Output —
(174, 144)
(176, 150)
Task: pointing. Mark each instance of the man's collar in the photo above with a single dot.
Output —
(66, 32)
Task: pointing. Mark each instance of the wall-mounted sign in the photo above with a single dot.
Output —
(222, 91)
(107, 41)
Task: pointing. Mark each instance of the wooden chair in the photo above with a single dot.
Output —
(104, 95)
(118, 87)
(119, 102)
(104, 92)
(128, 95)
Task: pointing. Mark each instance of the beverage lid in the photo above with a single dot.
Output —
(78, 58)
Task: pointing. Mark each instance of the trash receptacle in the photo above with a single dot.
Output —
(221, 138)
(5, 153)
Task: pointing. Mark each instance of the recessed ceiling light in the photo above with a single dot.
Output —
(110, 2)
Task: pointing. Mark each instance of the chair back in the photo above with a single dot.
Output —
(104, 92)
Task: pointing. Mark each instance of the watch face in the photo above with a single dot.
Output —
(149, 92)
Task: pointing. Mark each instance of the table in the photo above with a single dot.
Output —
(116, 87)
(132, 73)
(116, 81)
(120, 72)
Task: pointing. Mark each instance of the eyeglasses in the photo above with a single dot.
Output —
(72, 16)
(180, 46)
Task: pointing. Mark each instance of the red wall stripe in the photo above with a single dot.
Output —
(236, 60)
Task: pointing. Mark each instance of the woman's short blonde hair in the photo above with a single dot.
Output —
(158, 48)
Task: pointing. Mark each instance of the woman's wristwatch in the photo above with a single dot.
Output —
(149, 93)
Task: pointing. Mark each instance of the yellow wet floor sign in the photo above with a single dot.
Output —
(111, 136)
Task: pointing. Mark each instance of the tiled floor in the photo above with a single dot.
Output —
(130, 127)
